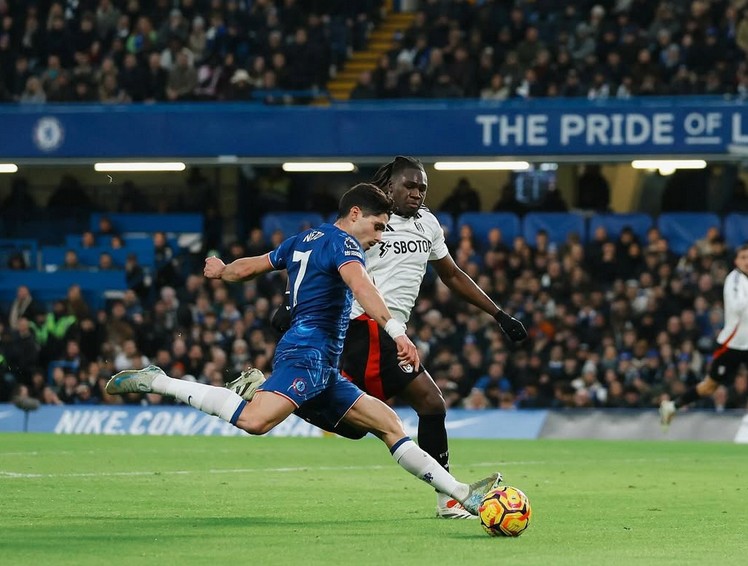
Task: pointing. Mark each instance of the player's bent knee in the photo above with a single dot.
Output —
(707, 387)
(430, 403)
(254, 425)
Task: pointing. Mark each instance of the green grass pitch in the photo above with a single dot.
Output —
(194, 500)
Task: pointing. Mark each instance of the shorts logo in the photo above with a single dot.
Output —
(428, 477)
(298, 385)
(407, 368)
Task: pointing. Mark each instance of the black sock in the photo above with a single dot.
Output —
(687, 398)
(432, 438)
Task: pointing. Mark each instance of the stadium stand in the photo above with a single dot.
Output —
(558, 225)
(289, 223)
(483, 222)
(129, 223)
(612, 324)
(46, 287)
(682, 229)
(614, 223)
(736, 229)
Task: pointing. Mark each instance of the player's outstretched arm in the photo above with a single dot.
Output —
(459, 282)
(241, 269)
(369, 297)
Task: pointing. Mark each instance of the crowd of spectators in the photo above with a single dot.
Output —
(119, 51)
(596, 49)
(614, 322)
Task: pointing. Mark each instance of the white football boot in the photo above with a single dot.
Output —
(667, 412)
(478, 490)
(247, 383)
(133, 380)
(449, 508)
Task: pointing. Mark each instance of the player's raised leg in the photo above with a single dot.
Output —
(216, 401)
(371, 414)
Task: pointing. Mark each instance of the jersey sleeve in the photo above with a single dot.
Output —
(279, 256)
(736, 293)
(345, 249)
(439, 248)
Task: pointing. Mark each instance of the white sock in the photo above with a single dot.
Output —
(442, 499)
(408, 454)
(217, 401)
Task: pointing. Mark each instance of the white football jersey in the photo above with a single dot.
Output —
(735, 332)
(397, 263)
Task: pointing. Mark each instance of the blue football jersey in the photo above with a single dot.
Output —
(320, 300)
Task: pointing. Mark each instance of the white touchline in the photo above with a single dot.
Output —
(5, 474)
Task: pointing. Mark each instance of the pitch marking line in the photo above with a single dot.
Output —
(5, 474)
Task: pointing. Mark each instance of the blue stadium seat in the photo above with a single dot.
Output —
(736, 230)
(483, 222)
(48, 287)
(614, 223)
(53, 256)
(28, 248)
(447, 222)
(682, 229)
(559, 226)
(289, 223)
(125, 222)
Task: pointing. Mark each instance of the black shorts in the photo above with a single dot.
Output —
(370, 360)
(725, 364)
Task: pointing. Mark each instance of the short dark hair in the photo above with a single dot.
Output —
(385, 173)
(741, 248)
(369, 198)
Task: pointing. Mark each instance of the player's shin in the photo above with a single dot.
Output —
(217, 401)
(424, 467)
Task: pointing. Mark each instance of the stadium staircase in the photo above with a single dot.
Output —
(380, 41)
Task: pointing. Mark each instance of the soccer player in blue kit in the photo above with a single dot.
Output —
(326, 270)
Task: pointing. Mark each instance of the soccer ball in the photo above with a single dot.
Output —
(505, 512)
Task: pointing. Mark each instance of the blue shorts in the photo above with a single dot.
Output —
(315, 387)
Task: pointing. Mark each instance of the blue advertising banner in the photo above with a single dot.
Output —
(184, 421)
(544, 127)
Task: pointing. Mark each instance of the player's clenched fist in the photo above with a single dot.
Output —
(213, 267)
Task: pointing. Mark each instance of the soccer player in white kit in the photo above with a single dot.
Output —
(732, 341)
(412, 238)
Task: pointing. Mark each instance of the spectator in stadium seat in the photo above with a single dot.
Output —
(70, 196)
(17, 261)
(33, 93)
(71, 261)
(155, 80)
(241, 88)
(106, 262)
(182, 79)
(364, 89)
(508, 201)
(593, 189)
(496, 89)
(463, 198)
(22, 351)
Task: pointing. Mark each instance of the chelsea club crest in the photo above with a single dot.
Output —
(48, 133)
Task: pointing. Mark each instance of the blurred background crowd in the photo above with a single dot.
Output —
(616, 321)
(286, 51)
